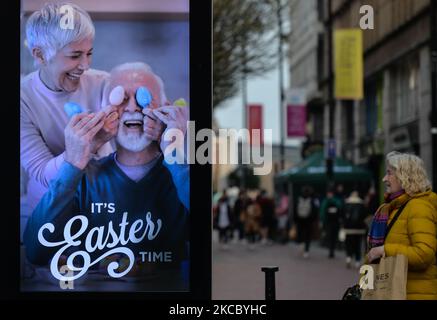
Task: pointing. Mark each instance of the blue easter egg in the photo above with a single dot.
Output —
(143, 96)
(72, 108)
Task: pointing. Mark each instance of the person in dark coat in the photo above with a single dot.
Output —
(354, 227)
(306, 213)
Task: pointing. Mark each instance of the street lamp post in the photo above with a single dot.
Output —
(244, 96)
(281, 83)
(433, 49)
(331, 100)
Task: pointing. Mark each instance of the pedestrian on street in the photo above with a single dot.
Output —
(224, 219)
(252, 222)
(413, 234)
(282, 217)
(354, 227)
(267, 206)
(371, 204)
(330, 213)
(306, 214)
(240, 208)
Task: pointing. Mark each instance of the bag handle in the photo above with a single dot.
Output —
(392, 222)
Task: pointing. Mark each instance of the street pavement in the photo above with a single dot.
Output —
(237, 275)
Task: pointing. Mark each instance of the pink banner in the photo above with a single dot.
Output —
(296, 121)
(255, 115)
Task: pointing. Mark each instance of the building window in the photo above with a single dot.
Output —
(350, 124)
(404, 92)
(318, 126)
(371, 109)
(320, 57)
(321, 9)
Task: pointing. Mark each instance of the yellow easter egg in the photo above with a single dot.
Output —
(180, 102)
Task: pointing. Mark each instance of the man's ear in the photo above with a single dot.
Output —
(38, 55)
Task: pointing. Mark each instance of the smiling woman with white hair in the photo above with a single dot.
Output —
(413, 234)
(63, 56)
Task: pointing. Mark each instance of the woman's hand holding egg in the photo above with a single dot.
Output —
(110, 126)
(173, 116)
(79, 135)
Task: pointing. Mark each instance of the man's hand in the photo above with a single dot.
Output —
(109, 129)
(79, 134)
(376, 253)
(174, 118)
(152, 126)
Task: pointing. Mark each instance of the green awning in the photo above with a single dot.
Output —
(313, 170)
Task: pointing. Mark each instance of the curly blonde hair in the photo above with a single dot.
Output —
(410, 171)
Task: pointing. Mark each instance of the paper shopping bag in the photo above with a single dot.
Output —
(389, 279)
(292, 233)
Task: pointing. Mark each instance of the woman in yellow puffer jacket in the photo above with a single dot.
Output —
(414, 232)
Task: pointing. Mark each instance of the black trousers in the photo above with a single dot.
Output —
(223, 235)
(353, 246)
(332, 237)
(304, 230)
(240, 228)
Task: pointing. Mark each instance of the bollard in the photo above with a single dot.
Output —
(270, 282)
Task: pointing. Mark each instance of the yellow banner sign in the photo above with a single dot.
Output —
(348, 46)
